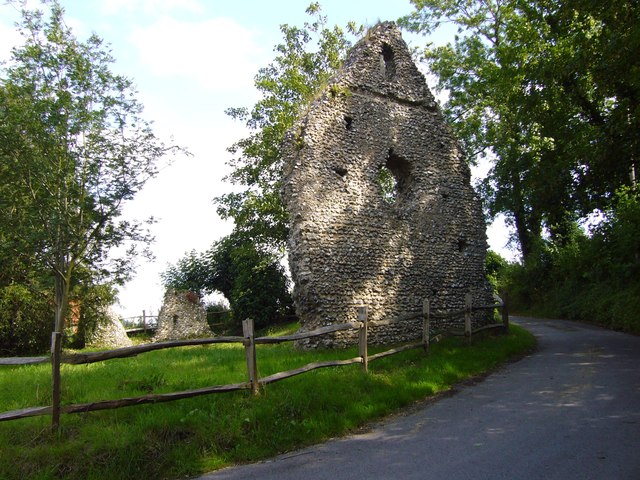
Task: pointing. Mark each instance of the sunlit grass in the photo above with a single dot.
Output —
(186, 437)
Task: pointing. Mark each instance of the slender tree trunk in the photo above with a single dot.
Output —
(61, 300)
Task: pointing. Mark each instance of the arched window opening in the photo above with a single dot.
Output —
(393, 178)
(388, 185)
(387, 62)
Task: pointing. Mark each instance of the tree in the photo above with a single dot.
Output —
(75, 148)
(551, 89)
(548, 89)
(288, 84)
(249, 276)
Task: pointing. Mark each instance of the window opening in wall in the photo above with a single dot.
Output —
(393, 177)
(388, 185)
(462, 245)
(348, 122)
(387, 62)
(175, 320)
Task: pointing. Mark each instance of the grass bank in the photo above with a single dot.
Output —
(191, 436)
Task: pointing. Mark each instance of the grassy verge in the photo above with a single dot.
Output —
(191, 436)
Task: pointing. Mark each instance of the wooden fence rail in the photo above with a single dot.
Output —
(140, 323)
(24, 360)
(249, 342)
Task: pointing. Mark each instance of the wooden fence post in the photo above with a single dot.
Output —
(505, 312)
(144, 321)
(250, 354)
(467, 316)
(363, 313)
(425, 324)
(56, 354)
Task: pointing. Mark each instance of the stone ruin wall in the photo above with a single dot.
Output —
(349, 246)
(109, 333)
(181, 317)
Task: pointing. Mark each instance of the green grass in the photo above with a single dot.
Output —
(187, 437)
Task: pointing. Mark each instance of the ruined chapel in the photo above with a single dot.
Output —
(381, 208)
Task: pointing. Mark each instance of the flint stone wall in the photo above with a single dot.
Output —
(109, 332)
(181, 316)
(350, 246)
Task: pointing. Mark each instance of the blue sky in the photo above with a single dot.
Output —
(190, 60)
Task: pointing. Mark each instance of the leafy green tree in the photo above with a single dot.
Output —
(548, 88)
(594, 278)
(250, 277)
(191, 273)
(303, 63)
(494, 266)
(75, 148)
(617, 239)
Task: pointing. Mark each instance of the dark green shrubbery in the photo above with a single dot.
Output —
(251, 279)
(26, 320)
(594, 278)
(26, 316)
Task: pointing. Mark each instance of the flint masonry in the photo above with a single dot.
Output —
(382, 212)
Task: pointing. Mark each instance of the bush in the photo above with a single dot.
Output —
(494, 267)
(250, 277)
(26, 320)
(594, 278)
(94, 302)
(220, 317)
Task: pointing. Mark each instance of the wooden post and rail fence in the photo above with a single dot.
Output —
(141, 323)
(254, 382)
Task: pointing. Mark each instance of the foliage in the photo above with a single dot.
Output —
(191, 436)
(26, 300)
(191, 273)
(25, 319)
(94, 301)
(74, 149)
(287, 85)
(592, 278)
(388, 185)
(494, 266)
(550, 89)
(243, 266)
(25, 314)
(220, 317)
(250, 277)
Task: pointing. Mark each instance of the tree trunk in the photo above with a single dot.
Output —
(527, 224)
(61, 299)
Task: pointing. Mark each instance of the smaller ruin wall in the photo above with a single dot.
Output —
(181, 316)
(109, 333)
(382, 212)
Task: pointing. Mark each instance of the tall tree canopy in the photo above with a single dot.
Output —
(303, 63)
(74, 149)
(550, 88)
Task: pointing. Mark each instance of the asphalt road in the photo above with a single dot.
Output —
(571, 410)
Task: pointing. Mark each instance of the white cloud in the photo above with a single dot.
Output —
(9, 34)
(217, 53)
(9, 38)
(150, 7)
